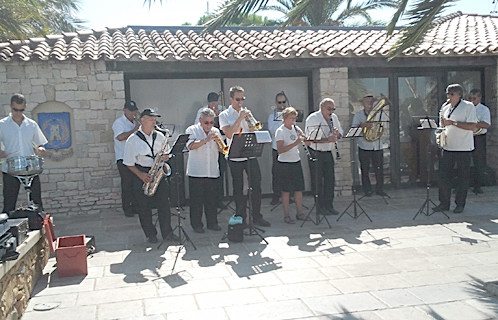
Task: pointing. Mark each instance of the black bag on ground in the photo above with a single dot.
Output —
(235, 232)
(34, 215)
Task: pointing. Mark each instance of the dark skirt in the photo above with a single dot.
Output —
(290, 176)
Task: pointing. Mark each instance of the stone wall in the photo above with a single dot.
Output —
(492, 103)
(333, 83)
(95, 97)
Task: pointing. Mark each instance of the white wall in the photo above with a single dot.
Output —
(178, 100)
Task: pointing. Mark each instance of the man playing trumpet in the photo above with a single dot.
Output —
(203, 171)
(232, 121)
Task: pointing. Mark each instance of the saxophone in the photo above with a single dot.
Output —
(158, 170)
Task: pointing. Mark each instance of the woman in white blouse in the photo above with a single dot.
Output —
(290, 173)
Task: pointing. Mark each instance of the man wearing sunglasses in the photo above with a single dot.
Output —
(20, 136)
(203, 171)
(232, 121)
(274, 122)
(458, 118)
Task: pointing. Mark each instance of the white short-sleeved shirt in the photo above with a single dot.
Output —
(458, 139)
(203, 161)
(315, 121)
(227, 118)
(289, 136)
(483, 115)
(19, 140)
(120, 125)
(136, 150)
(274, 122)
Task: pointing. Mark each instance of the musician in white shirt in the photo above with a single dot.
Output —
(203, 171)
(274, 122)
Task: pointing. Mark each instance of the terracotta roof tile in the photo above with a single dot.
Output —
(454, 35)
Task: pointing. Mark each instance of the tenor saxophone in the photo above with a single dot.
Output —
(158, 170)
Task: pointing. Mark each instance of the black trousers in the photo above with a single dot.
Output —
(374, 157)
(128, 201)
(203, 197)
(479, 158)
(446, 164)
(160, 201)
(11, 190)
(222, 164)
(237, 169)
(323, 178)
(274, 175)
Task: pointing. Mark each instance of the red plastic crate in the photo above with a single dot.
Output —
(70, 253)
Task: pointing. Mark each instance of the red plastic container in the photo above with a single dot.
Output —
(70, 253)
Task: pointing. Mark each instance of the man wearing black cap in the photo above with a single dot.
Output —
(123, 127)
(140, 151)
(369, 151)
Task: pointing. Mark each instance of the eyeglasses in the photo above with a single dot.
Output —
(208, 122)
(281, 102)
(18, 110)
(240, 99)
(450, 93)
(331, 109)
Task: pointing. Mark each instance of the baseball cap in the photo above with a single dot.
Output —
(213, 96)
(130, 105)
(149, 112)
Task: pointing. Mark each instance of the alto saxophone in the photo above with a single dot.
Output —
(158, 170)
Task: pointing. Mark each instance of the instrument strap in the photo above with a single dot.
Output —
(449, 115)
(154, 135)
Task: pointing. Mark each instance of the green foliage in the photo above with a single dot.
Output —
(241, 20)
(21, 19)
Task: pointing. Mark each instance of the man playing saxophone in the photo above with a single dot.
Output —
(140, 151)
(203, 171)
(369, 151)
(234, 120)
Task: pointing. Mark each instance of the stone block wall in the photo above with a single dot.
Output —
(492, 103)
(96, 98)
(333, 83)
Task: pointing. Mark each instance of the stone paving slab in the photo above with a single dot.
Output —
(394, 267)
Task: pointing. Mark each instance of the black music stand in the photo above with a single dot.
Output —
(316, 134)
(183, 237)
(245, 145)
(427, 124)
(352, 133)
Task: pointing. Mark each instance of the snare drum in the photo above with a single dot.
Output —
(25, 166)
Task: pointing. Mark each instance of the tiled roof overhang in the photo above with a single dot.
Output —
(455, 35)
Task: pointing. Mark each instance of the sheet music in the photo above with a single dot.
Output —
(263, 136)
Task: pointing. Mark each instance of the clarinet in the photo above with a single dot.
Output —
(298, 130)
(331, 127)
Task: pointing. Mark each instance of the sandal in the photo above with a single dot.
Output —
(288, 220)
(301, 216)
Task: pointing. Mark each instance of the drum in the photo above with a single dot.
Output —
(24, 166)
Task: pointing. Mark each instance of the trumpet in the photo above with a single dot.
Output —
(252, 122)
(221, 144)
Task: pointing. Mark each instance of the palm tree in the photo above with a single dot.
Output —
(21, 19)
(326, 12)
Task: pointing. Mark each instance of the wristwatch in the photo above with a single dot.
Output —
(455, 123)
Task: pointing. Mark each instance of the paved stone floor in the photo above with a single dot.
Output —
(391, 268)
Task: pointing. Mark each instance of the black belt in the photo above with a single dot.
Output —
(141, 168)
(321, 151)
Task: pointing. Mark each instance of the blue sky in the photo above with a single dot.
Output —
(120, 13)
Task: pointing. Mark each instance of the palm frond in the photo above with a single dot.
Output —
(421, 17)
(232, 9)
(396, 16)
(298, 12)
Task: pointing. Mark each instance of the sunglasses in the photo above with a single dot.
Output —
(208, 122)
(331, 109)
(281, 102)
(18, 110)
(240, 99)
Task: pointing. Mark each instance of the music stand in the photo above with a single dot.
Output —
(246, 145)
(183, 237)
(428, 123)
(352, 133)
(315, 135)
